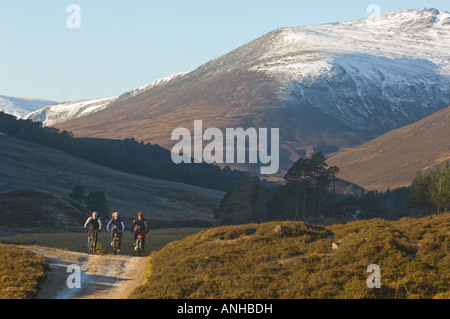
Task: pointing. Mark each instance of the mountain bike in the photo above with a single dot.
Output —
(117, 239)
(139, 245)
(92, 247)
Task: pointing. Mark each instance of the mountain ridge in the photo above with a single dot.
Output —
(65, 111)
(328, 86)
(20, 106)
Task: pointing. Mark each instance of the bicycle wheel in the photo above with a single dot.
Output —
(93, 248)
(90, 244)
(116, 245)
(139, 247)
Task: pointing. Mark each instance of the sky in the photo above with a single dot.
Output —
(99, 48)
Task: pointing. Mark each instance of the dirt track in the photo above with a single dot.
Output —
(102, 277)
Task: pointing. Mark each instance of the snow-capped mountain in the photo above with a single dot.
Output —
(61, 112)
(159, 82)
(20, 106)
(326, 86)
(377, 73)
(57, 113)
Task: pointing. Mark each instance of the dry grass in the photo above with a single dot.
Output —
(20, 272)
(256, 261)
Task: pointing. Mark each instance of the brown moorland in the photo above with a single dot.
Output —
(392, 160)
(297, 260)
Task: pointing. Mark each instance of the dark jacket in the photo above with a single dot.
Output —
(94, 224)
(139, 225)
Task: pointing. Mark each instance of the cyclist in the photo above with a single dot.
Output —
(139, 225)
(94, 224)
(115, 224)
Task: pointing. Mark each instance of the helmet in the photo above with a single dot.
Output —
(95, 214)
(115, 214)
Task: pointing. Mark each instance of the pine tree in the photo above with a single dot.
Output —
(299, 179)
(307, 181)
(439, 188)
(369, 205)
(246, 204)
(96, 201)
(418, 198)
(431, 190)
(78, 194)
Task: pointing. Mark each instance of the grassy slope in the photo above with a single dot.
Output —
(20, 272)
(256, 261)
(25, 165)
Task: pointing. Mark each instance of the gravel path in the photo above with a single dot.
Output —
(102, 276)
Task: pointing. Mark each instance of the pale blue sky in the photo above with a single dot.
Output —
(125, 44)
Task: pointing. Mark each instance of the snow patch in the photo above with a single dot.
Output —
(20, 106)
(61, 112)
(58, 113)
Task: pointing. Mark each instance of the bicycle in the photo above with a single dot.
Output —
(92, 246)
(117, 239)
(139, 245)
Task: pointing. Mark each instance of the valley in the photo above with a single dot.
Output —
(358, 172)
(53, 173)
(327, 87)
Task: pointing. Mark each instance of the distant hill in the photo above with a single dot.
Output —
(161, 164)
(392, 160)
(34, 211)
(56, 112)
(129, 155)
(29, 166)
(65, 111)
(20, 106)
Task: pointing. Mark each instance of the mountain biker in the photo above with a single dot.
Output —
(139, 225)
(94, 224)
(115, 224)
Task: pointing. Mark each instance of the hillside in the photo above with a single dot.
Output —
(392, 160)
(20, 106)
(299, 260)
(33, 211)
(65, 111)
(326, 87)
(59, 112)
(29, 166)
(128, 156)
